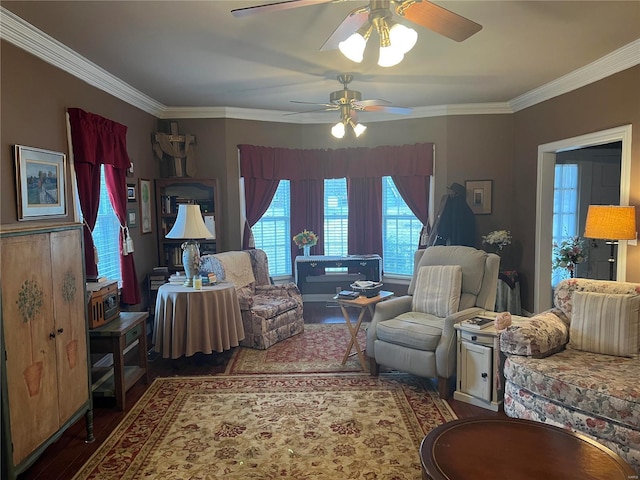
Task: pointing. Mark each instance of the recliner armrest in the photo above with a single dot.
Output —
(542, 335)
(386, 310)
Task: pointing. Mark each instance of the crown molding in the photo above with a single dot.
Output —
(621, 59)
(22, 34)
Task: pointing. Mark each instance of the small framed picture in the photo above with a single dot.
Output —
(132, 218)
(131, 192)
(40, 182)
(479, 193)
(145, 205)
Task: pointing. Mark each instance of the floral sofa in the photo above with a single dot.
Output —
(550, 380)
(270, 313)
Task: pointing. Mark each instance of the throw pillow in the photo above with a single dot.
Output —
(605, 323)
(437, 290)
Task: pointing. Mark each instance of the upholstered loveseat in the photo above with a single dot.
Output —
(270, 313)
(577, 364)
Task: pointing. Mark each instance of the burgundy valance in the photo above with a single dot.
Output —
(271, 163)
(98, 140)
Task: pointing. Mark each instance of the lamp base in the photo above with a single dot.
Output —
(190, 261)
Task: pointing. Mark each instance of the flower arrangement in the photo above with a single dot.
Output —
(498, 238)
(569, 253)
(305, 238)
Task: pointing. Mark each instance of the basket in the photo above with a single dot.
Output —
(369, 291)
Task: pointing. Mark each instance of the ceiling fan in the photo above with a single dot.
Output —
(349, 102)
(395, 38)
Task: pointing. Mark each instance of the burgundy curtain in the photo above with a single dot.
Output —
(100, 141)
(365, 215)
(258, 194)
(117, 188)
(415, 192)
(307, 212)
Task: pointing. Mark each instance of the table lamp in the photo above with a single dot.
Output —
(611, 223)
(190, 226)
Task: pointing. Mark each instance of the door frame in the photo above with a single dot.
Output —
(544, 204)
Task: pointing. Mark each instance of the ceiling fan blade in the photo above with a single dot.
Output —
(331, 105)
(275, 7)
(311, 111)
(438, 19)
(371, 102)
(387, 109)
(350, 24)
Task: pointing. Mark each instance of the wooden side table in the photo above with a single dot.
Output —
(363, 304)
(114, 338)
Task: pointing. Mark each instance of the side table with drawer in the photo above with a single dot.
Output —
(115, 337)
(478, 367)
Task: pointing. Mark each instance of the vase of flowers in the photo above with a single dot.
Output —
(305, 240)
(568, 254)
(498, 239)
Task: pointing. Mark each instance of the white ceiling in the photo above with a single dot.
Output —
(193, 58)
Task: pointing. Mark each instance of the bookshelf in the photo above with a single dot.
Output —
(170, 193)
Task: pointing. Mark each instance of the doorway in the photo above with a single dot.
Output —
(547, 154)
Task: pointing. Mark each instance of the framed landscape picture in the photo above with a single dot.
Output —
(479, 194)
(131, 192)
(40, 182)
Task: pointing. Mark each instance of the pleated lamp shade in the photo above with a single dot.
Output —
(189, 224)
(611, 222)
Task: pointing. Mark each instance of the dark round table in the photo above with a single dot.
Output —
(495, 448)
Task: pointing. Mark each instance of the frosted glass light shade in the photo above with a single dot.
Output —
(189, 224)
(402, 37)
(353, 47)
(390, 56)
(611, 222)
(338, 130)
(359, 129)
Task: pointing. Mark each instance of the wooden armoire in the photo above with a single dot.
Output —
(46, 385)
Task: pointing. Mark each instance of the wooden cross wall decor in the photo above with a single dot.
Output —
(175, 151)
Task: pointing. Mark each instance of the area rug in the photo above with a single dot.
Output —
(302, 427)
(319, 349)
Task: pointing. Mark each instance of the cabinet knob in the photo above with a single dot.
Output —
(474, 337)
(52, 335)
(484, 375)
(60, 330)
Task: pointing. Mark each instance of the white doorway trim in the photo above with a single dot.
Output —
(544, 204)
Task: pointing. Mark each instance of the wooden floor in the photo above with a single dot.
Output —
(65, 457)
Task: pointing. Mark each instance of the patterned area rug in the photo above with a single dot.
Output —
(302, 427)
(319, 349)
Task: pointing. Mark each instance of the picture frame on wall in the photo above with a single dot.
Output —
(132, 218)
(145, 206)
(40, 182)
(479, 196)
(131, 192)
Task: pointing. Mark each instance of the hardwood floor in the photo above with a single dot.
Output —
(65, 457)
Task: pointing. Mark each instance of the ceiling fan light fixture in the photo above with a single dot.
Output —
(390, 56)
(402, 37)
(338, 130)
(353, 47)
(359, 129)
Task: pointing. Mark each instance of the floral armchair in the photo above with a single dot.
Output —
(270, 313)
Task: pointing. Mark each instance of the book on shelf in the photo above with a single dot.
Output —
(478, 322)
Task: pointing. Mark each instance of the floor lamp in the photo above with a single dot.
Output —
(611, 223)
(190, 226)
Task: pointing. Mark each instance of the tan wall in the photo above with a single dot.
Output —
(611, 102)
(502, 148)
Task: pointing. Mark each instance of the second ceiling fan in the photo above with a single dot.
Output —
(396, 39)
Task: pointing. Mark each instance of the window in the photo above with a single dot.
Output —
(400, 231)
(106, 236)
(273, 231)
(400, 227)
(565, 210)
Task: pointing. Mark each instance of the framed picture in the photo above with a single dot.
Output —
(479, 194)
(145, 206)
(40, 182)
(132, 218)
(131, 192)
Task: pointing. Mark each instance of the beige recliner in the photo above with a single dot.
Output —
(414, 333)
